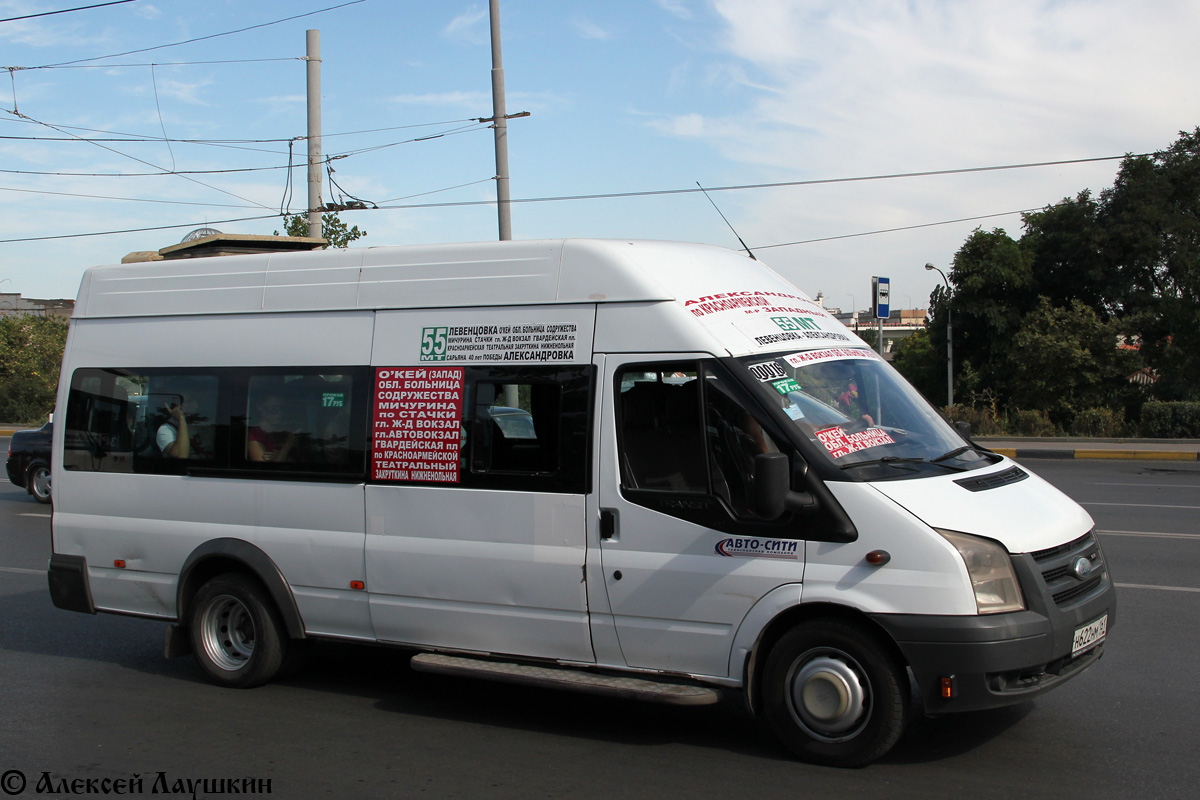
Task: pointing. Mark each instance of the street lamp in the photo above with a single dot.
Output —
(949, 340)
(853, 311)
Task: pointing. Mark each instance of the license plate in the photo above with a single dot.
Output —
(1090, 635)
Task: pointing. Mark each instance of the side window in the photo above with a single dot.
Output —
(301, 420)
(526, 428)
(735, 437)
(662, 428)
(152, 421)
(515, 427)
(684, 428)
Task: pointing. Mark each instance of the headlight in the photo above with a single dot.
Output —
(991, 570)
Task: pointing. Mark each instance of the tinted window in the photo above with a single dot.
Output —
(284, 422)
(142, 421)
(684, 427)
(518, 428)
(302, 421)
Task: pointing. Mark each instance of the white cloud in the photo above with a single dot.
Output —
(890, 83)
(589, 30)
(473, 100)
(677, 7)
(843, 88)
(147, 11)
(467, 26)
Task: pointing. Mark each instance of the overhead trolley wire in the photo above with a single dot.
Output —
(199, 38)
(165, 63)
(68, 10)
(147, 163)
(466, 203)
(775, 185)
(896, 230)
(126, 199)
(137, 230)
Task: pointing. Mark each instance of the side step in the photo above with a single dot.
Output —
(680, 694)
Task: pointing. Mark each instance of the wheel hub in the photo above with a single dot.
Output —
(227, 630)
(827, 696)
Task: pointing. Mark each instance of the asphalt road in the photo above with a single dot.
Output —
(91, 698)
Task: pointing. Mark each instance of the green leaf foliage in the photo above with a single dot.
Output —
(333, 230)
(31, 351)
(1095, 289)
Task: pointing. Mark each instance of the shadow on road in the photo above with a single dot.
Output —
(382, 676)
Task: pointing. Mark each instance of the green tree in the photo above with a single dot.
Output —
(31, 351)
(922, 365)
(992, 289)
(1152, 220)
(333, 230)
(1066, 360)
(1065, 247)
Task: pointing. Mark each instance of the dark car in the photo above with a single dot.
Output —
(28, 462)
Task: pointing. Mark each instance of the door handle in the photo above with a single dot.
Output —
(608, 523)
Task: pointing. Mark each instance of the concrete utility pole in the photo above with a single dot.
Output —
(313, 57)
(500, 125)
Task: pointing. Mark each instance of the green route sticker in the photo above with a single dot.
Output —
(786, 385)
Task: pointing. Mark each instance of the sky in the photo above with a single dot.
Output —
(649, 97)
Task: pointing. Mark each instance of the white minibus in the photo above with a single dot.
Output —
(657, 470)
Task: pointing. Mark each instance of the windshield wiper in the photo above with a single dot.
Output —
(892, 460)
(958, 451)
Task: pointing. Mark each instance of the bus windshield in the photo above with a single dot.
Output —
(863, 416)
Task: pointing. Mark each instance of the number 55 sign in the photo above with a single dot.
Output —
(433, 344)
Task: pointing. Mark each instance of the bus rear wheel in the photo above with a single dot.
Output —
(834, 695)
(237, 635)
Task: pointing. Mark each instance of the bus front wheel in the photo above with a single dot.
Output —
(834, 694)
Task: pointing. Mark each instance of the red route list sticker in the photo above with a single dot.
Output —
(416, 428)
(839, 443)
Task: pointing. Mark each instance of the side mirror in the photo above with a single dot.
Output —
(964, 429)
(773, 493)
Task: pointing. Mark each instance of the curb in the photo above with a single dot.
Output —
(1130, 455)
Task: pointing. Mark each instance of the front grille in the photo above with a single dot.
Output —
(1057, 569)
(993, 481)
(1067, 595)
(1051, 552)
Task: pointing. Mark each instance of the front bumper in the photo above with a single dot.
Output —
(1001, 659)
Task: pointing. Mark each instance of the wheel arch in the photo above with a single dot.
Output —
(33, 463)
(218, 556)
(795, 615)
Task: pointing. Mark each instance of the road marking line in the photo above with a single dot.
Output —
(1139, 505)
(1151, 485)
(1164, 588)
(1152, 534)
(23, 571)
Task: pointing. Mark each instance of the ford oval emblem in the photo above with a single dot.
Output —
(1082, 567)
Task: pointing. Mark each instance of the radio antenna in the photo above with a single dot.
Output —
(727, 222)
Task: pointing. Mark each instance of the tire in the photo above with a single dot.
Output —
(237, 635)
(834, 695)
(38, 482)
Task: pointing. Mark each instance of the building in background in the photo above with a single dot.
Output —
(12, 304)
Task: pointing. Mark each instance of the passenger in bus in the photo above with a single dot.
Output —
(848, 401)
(173, 438)
(266, 441)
